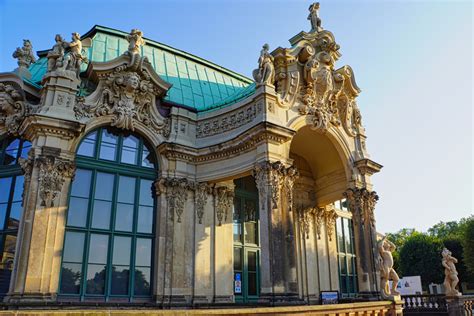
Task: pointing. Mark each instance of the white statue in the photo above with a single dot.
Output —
(386, 269)
(313, 17)
(25, 54)
(265, 74)
(451, 279)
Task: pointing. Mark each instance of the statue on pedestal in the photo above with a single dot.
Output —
(135, 41)
(313, 17)
(265, 74)
(451, 279)
(25, 54)
(56, 54)
(75, 57)
(386, 269)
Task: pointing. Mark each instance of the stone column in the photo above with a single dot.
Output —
(48, 176)
(361, 203)
(278, 277)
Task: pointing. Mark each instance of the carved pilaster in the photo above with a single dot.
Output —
(52, 173)
(290, 176)
(224, 200)
(327, 216)
(176, 190)
(201, 191)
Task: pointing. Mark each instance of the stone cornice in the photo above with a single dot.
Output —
(41, 125)
(367, 166)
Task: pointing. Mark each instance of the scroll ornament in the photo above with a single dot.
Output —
(13, 108)
(224, 200)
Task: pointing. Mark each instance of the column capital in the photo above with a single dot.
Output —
(361, 203)
(176, 192)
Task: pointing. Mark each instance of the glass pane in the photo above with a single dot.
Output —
(81, 183)
(98, 248)
(237, 259)
(250, 210)
(129, 155)
(107, 151)
(101, 214)
(130, 141)
(18, 191)
(237, 221)
(251, 232)
(342, 265)
(104, 186)
(340, 236)
(146, 192)
(108, 137)
(351, 288)
(25, 148)
(73, 247)
(252, 261)
(95, 279)
(11, 152)
(5, 184)
(126, 192)
(252, 286)
(350, 266)
(147, 158)
(87, 146)
(142, 281)
(77, 212)
(143, 252)
(347, 237)
(343, 284)
(124, 217)
(120, 277)
(15, 215)
(8, 254)
(3, 213)
(122, 246)
(71, 278)
(237, 232)
(145, 219)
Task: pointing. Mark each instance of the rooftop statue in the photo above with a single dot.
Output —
(56, 54)
(451, 279)
(313, 17)
(386, 269)
(265, 74)
(75, 57)
(135, 41)
(25, 54)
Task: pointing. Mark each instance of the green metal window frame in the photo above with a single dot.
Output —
(14, 172)
(95, 165)
(245, 247)
(346, 254)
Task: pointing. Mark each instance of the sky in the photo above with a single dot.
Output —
(413, 61)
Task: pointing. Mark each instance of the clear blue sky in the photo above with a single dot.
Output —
(412, 60)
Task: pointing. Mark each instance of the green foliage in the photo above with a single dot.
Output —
(398, 240)
(421, 255)
(444, 230)
(468, 244)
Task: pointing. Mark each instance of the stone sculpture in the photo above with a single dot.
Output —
(56, 54)
(75, 57)
(451, 279)
(12, 108)
(386, 269)
(313, 17)
(25, 54)
(135, 41)
(265, 74)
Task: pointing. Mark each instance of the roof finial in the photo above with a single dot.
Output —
(25, 58)
(314, 17)
(135, 41)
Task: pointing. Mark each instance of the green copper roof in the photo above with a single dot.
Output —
(197, 83)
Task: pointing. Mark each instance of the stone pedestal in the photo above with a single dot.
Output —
(59, 94)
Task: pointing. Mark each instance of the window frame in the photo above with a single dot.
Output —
(116, 168)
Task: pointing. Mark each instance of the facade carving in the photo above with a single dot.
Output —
(362, 204)
(290, 175)
(387, 272)
(265, 74)
(13, 108)
(322, 216)
(451, 279)
(52, 173)
(66, 55)
(25, 54)
(224, 198)
(176, 192)
(201, 192)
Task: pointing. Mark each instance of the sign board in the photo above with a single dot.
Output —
(238, 283)
(329, 297)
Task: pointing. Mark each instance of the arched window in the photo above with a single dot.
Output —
(110, 220)
(11, 209)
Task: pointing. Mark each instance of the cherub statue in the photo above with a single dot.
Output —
(265, 74)
(451, 279)
(56, 54)
(135, 41)
(386, 269)
(313, 17)
(25, 54)
(75, 57)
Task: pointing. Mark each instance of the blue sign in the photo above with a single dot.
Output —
(238, 276)
(329, 297)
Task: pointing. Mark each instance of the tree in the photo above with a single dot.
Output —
(444, 230)
(468, 244)
(421, 255)
(398, 240)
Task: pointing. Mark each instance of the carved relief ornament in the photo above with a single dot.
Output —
(13, 108)
(176, 194)
(201, 192)
(127, 91)
(224, 198)
(361, 203)
(322, 216)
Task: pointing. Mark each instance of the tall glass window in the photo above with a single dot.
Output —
(346, 256)
(246, 241)
(108, 244)
(11, 208)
